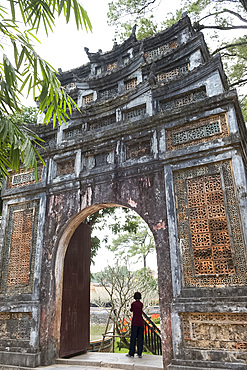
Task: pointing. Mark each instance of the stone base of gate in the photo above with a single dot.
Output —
(19, 359)
(204, 365)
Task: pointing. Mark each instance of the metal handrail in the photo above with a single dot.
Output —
(152, 336)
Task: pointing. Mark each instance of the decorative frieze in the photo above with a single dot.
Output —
(24, 178)
(198, 131)
(111, 66)
(19, 247)
(135, 112)
(103, 122)
(222, 331)
(160, 51)
(209, 226)
(15, 326)
(185, 99)
(107, 94)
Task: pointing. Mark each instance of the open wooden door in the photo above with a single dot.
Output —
(75, 317)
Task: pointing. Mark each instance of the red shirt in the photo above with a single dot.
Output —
(136, 308)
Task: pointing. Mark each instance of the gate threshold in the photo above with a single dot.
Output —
(113, 360)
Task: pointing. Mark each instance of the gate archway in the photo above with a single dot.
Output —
(160, 132)
(79, 283)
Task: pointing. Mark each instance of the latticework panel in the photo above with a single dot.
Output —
(172, 74)
(88, 99)
(198, 131)
(19, 256)
(19, 248)
(23, 178)
(72, 133)
(130, 84)
(215, 330)
(209, 226)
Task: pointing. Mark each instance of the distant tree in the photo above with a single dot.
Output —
(216, 18)
(138, 242)
(120, 283)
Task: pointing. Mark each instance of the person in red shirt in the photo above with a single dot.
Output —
(137, 327)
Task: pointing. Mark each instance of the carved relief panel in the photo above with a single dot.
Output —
(209, 227)
(19, 248)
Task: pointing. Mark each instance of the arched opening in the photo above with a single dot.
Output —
(72, 274)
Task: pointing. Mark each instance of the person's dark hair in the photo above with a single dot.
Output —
(137, 295)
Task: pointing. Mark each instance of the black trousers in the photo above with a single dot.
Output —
(137, 334)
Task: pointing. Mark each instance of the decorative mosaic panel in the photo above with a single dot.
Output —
(215, 330)
(107, 94)
(160, 51)
(15, 326)
(138, 111)
(88, 99)
(24, 178)
(139, 149)
(19, 248)
(72, 133)
(209, 226)
(183, 100)
(65, 168)
(106, 121)
(130, 84)
(198, 131)
(174, 73)
(111, 66)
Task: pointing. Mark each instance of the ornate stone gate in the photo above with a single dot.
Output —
(159, 132)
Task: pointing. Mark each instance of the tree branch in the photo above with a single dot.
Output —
(239, 82)
(223, 11)
(229, 46)
(200, 27)
(146, 6)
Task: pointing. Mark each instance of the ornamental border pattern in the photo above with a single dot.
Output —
(215, 330)
(197, 132)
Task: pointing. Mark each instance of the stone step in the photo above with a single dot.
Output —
(114, 361)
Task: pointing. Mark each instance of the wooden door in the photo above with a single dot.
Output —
(75, 317)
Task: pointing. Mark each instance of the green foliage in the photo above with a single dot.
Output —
(138, 242)
(243, 103)
(17, 143)
(25, 69)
